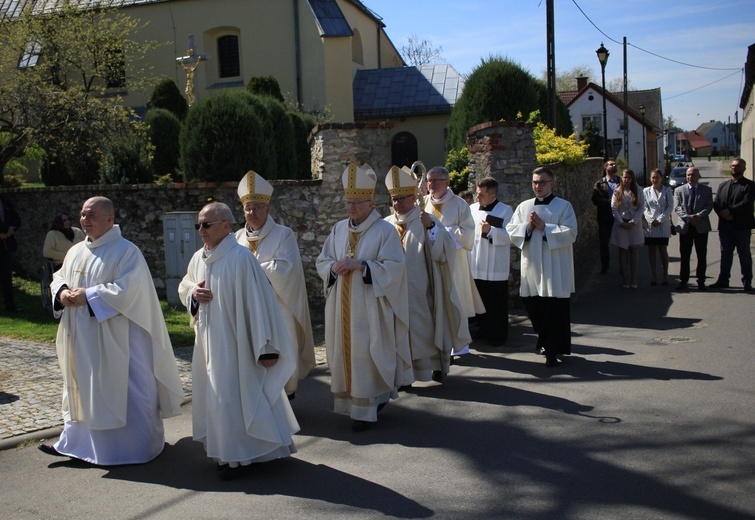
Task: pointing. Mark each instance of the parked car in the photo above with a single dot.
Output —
(680, 158)
(677, 177)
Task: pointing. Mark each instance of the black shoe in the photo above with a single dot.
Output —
(381, 406)
(551, 361)
(291, 396)
(702, 287)
(360, 426)
(720, 285)
(682, 286)
(49, 450)
(439, 377)
(404, 388)
(749, 289)
(228, 473)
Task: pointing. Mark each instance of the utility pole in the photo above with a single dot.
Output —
(551, 62)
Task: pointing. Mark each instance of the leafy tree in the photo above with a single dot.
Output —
(166, 95)
(457, 164)
(222, 138)
(61, 73)
(593, 139)
(265, 86)
(563, 116)
(616, 85)
(418, 52)
(497, 89)
(164, 129)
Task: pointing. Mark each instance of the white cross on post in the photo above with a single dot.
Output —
(190, 62)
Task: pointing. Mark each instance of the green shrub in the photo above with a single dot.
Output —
(496, 90)
(303, 125)
(166, 95)
(222, 138)
(266, 86)
(164, 129)
(279, 127)
(127, 161)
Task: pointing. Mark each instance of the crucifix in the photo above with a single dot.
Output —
(190, 62)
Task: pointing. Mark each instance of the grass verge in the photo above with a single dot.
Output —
(34, 323)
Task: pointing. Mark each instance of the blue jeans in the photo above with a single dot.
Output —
(739, 240)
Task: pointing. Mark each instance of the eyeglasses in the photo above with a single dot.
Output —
(540, 183)
(206, 225)
(353, 204)
(394, 200)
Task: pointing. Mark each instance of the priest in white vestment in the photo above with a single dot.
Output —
(242, 355)
(453, 212)
(366, 312)
(489, 261)
(277, 251)
(437, 323)
(120, 378)
(545, 229)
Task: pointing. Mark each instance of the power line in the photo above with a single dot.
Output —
(647, 51)
(698, 88)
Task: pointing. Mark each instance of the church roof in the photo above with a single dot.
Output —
(405, 91)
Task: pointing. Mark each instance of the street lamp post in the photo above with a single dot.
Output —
(603, 54)
(644, 146)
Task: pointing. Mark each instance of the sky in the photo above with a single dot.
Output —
(701, 34)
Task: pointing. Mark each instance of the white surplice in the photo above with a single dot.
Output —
(240, 411)
(119, 372)
(278, 254)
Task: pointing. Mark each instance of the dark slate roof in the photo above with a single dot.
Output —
(406, 91)
(330, 18)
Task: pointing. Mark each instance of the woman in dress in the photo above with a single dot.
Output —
(60, 239)
(657, 212)
(627, 205)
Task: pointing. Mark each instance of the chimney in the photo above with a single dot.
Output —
(581, 83)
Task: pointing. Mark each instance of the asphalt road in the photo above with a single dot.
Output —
(651, 417)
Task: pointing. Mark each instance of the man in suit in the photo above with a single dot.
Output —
(734, 206)
(693, 203)
(602, 193)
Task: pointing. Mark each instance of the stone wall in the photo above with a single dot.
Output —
(506, 152)
(309, 207)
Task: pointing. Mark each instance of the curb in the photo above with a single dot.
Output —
(14, 442)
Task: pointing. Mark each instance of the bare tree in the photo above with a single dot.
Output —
(567, 80)
(617, 85)
(418, 52)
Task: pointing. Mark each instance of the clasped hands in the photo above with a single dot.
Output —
(345, 266)
(73, 298)
(535, 222)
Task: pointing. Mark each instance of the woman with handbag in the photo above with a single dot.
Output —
(657, 223)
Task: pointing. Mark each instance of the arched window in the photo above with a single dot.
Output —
(404, 149)
(357, 53)
(228, 56)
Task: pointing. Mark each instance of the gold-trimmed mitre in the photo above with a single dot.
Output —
(359, 182)
(400, 181)
(253, 188)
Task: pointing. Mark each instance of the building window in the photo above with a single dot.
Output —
(715, 139)
(31, 55)
(596, 119)
(115, 68)
(228, 57)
